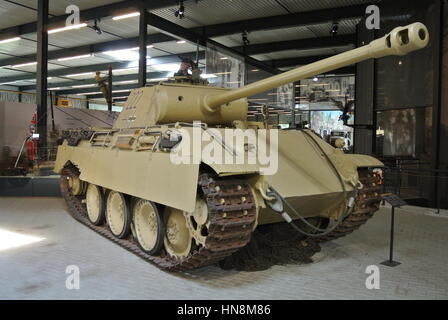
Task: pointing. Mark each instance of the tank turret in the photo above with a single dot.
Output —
(172, 102)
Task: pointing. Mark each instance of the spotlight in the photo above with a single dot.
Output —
(96, 28)
(245, 38)
(334, 29)
(180, 13)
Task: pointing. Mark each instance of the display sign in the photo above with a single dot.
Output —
(394, 200)
(64, 103)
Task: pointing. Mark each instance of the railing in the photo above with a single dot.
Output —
(413, 181)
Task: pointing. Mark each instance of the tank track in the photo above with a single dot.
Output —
(366, 204)
(73, 137)
(232, 215)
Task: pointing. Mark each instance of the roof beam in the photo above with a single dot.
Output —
(300, 61)
(300, 44)
(95, 67)
(166, 26)
(291, 62)
(108, 10)
(297, 61)
(100, 96)
(87, 90)
(280, 63)
(88, 49)
(283, 21)
(216, 30)
(126, 77)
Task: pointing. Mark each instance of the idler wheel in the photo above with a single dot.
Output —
(95, 205)
(197, 221)
(118, 214)
(76, 186)
(178, 237)
(149, 226)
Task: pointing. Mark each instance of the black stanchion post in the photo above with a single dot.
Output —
(394, 201)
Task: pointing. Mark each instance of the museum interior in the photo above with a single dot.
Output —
(118, 179)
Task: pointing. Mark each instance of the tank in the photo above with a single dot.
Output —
(152, 186)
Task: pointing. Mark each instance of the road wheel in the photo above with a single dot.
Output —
(95, 204)
(178, 237)
(149, 226)
(118, 214)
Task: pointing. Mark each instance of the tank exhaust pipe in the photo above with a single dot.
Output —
(400, 41)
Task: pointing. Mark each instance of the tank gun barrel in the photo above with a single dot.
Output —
(400, 41)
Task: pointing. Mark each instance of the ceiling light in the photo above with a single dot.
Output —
(10, 40)
(181, 41)
(96, 28)
(76, 57)
(125, 90)
(8, 82)
(165, 67)
(125, 54)
(254, 70)
(222, 73)
(57, 88)
(157, 79)
(315, 79)
(126, 69)
(33, 80)
(224, 58)
(180, 13)
(334, 29)
(208, 76)
(80, 74)
(24, 65)
(150, 46)
(127, 81)
(125, 16)
(87, 93)
(84, 86)
(245, 39)
(72, 27)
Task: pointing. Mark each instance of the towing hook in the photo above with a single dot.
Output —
(276, 203)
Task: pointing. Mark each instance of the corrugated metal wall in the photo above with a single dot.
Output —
(29, 97)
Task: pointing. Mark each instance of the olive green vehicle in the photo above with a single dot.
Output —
(122, 182)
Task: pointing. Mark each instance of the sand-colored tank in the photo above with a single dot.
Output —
(183, 179)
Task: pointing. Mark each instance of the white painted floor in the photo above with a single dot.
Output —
(37, 270)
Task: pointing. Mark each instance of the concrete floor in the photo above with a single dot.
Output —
(37, 270)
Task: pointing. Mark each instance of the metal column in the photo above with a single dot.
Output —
(437, 38)
(42, 73)
(365, 114)
(110, 86)
(143, 27)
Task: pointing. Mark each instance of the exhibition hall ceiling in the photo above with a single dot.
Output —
(200, 13)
